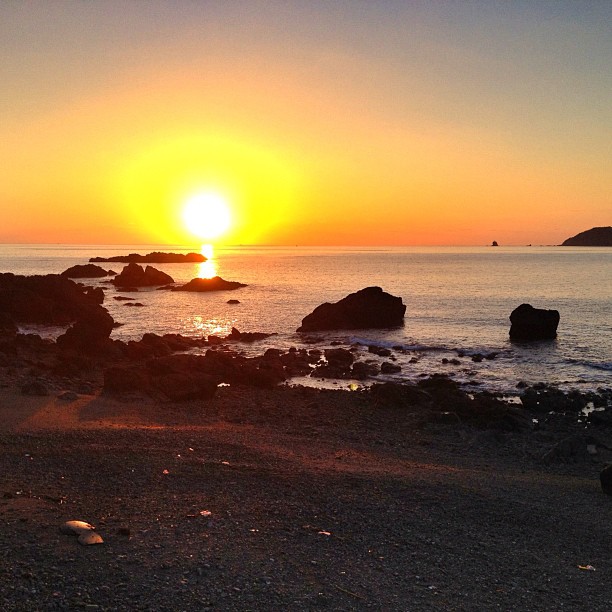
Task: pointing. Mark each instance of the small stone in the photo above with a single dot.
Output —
(34, 387)
(76, 528)
(68, 396)
(87, 538)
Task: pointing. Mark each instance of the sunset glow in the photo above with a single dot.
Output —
(399, 123)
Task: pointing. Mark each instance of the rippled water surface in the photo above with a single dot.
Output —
(458, 300)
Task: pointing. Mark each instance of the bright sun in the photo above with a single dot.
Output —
(207, 215)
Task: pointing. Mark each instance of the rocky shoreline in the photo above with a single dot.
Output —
(214, 484)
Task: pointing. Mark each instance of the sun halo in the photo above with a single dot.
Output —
(207, 215)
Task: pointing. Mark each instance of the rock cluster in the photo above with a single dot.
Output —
(55, 300)
(134, 275)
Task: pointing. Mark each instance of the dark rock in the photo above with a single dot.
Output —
(233, 301)
(605, 478)
(571, 449)
(68, 396)
(378, 350)
(122, 379)
(155, 257)
(238, 336)
(549, 399)
(368, 308)
(34, 387)
(46, 300)
(185, 386)
(123, 298)
(339, 357)
(85, 271)
(601, 418)
(214, 340)
(494, 243)
(7, 325)
(364, 369)
(134, 275)
(394, 395)
(337, 365)
(529, 323)
(209, 284)
(297, 363)
(89, 332)
(595, 237)
(134, 304)
(387, 367)
(95, 294)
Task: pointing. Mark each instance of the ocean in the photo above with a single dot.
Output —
(458, 302)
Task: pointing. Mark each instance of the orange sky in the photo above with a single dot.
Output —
(326, 124)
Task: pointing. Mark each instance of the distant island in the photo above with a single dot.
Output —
(595, 237)
(155, 257)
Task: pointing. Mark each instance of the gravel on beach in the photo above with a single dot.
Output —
(291, 499)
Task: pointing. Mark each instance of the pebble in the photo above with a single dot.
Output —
(76, 528)
(87, 538)
(68, 396)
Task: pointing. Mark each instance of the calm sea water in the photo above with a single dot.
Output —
(458, 300)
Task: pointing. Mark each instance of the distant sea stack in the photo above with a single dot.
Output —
(595, 237)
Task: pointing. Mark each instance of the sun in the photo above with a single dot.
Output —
(207, 215)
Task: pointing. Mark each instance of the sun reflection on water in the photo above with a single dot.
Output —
(208, 268)
(203, 327)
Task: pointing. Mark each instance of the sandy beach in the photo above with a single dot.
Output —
(291, 499)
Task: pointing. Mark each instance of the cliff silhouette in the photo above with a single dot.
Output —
(596, 236)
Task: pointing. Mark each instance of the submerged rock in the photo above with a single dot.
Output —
(529, 323)
(368, 308)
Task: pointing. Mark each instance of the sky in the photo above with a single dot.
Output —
(318, 122)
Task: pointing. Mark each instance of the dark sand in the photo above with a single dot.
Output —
(317, 500)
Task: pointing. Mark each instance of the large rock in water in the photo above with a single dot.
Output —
(209, 284)
(85, 271)
(529, 323)
(47, 300)
(55, 300)
(368, 308)
(155, 257)
(134, 275)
